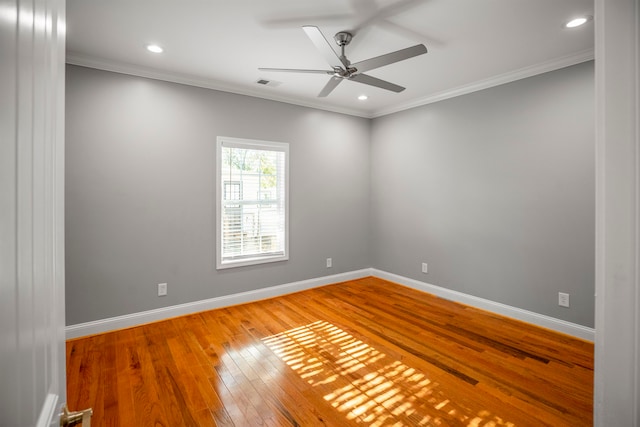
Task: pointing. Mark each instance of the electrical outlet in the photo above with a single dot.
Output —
(563, 299)
(162, 289)
(425, 268)
(329, 263)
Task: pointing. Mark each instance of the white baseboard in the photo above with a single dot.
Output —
(135, 319)
(541, 320)
(129, 320)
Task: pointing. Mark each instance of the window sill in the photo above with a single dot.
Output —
(251, 261)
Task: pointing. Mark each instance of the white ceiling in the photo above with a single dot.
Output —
(218, 44)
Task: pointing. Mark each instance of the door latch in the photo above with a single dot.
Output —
(68, 418)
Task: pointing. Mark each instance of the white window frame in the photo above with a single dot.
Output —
(251, 144)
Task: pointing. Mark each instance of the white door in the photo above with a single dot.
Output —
(32, 358)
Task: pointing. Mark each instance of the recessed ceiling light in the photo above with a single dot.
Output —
(576, 22)
(363, 97)
(154, 48)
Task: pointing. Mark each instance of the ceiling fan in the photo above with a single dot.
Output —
(343, 69)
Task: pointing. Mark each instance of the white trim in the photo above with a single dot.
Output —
(522, 73)
(135, 319)
(167, 76)
(252, 144)
(617, 262)
(57, 175)
(134, 70)
(541, 320)
(48, 410)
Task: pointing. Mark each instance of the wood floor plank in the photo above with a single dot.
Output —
(125, 404)
(362, 353)
(147, 406)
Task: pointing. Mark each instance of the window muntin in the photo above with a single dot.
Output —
(252, 202)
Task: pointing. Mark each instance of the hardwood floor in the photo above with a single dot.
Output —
(359, 353)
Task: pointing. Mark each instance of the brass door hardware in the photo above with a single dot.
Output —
(68, 418)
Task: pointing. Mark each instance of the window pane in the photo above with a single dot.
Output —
(252, 202)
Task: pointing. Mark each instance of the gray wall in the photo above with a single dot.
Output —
(495, 191)
(140, 188)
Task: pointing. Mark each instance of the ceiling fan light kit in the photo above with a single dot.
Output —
(342, 69)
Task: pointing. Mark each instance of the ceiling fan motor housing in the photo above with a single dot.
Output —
(343, 38)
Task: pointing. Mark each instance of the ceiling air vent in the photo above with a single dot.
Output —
(271, 83)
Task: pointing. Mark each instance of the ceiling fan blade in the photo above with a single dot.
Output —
(373, 81)
(294, 70)
(298, 21)
(390, 58)
(387, 12)
(330, 86)
(323, 46)
(409, 33)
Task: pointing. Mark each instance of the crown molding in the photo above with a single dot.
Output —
(511, 76)
(151, 73)
(522, 73)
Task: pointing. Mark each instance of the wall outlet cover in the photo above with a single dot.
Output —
(563, 299)
(162, 289)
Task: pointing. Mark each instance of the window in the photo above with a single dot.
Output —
(252, 200)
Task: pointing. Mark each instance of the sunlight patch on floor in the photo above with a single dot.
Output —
(366, 385)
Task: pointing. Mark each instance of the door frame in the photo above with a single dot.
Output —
(617, 342)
